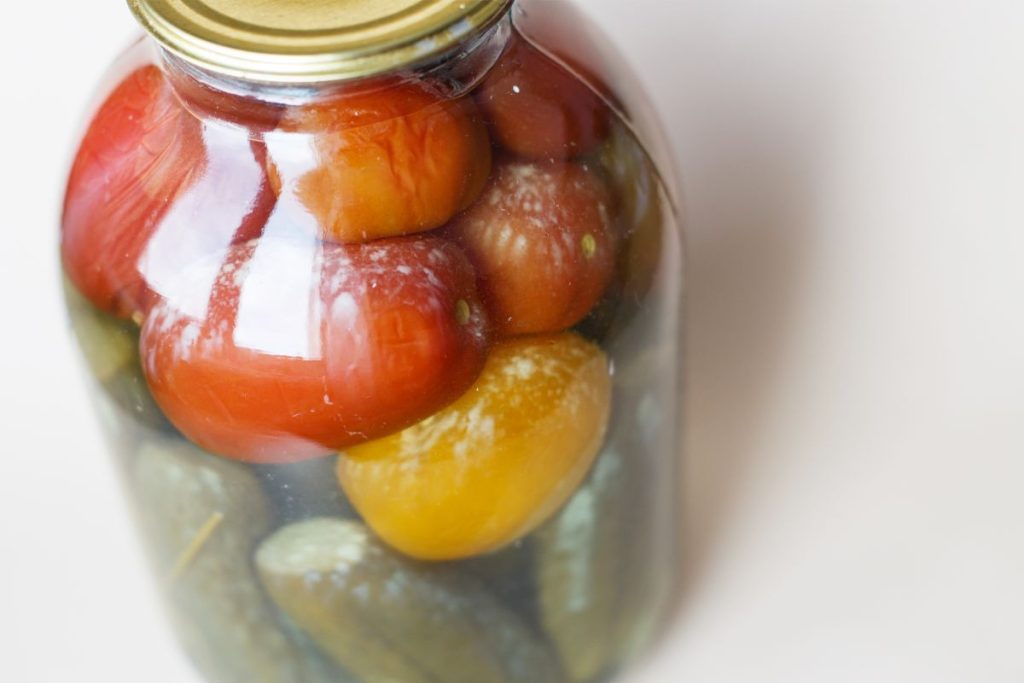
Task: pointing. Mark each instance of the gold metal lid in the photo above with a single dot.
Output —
(309, 41)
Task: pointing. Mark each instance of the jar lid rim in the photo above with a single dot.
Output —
(312, 41)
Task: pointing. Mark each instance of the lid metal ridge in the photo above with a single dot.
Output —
(412, 32)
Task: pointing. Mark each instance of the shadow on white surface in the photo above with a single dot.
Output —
(752, 142)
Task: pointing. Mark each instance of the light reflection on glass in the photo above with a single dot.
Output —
(281, 282)
(203, 221)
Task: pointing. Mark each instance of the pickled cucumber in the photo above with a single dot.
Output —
(202, 518)
(636, 184)
(510, 575)
(603, 563)
(111, 350)
(642, 216)
(581, 571)
(386, 618)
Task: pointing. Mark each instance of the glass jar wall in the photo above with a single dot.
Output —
(389, 363)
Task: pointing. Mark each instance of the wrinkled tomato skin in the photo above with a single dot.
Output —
(539, 110)
(543, 245)
(384, 161)
(139, 152)
(151, 189)
(306, 348)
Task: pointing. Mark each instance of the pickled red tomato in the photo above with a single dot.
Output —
(566, 32)
(494, 465)
(151, 190)
(538, 109)
(305, 348)
(542, 242)
(139, 151)
(392, 160)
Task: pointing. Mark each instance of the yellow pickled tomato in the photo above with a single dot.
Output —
(494, 465)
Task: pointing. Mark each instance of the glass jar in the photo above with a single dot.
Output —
(381, 304)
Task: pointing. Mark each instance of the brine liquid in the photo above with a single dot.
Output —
(269, 570)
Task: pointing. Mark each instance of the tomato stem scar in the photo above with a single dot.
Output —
(589, 244)
(462, 312)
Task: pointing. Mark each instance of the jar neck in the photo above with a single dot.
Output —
(454, 72)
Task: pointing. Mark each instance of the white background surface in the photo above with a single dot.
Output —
(854, 507)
